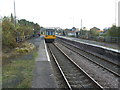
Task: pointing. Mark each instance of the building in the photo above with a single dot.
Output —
(95, 28)
(72, 32)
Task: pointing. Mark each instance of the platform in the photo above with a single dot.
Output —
(43, 72)
(110, 54)
(103, 45)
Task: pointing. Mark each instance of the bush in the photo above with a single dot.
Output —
(114, 31)
(22, 29)
(8, 32)
(26, 47)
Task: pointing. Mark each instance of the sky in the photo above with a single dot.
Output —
(63, 13)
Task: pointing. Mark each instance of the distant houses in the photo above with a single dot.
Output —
(95, 28)
(71, 32)
(75, 32)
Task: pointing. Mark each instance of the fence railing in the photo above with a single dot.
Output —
(102, 39)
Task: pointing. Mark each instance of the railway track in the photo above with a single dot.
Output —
(104, 63)
(74, 76)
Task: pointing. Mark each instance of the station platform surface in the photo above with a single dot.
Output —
(112, 47)
(43, 72)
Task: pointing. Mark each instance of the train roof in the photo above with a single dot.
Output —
(50, 29)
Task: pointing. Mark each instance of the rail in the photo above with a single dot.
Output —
(74, 75)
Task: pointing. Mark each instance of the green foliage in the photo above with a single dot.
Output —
(8, 32)
(83, 32)
(21, 71)
(24, 22)
(94, 32)
(24, 30)
(27, 47)
(30, 26)
(114, 31)
(12, 19)
(36, 28)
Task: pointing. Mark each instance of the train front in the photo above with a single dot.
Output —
(50, 35)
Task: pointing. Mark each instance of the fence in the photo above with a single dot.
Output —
(102, 39)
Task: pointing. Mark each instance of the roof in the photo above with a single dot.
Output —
(50, 29)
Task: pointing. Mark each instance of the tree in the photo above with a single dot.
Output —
(36, 28)
(8, 32)
(12, 19)
(94, 32)
(114, 31)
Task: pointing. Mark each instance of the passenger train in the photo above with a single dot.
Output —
(50, 35)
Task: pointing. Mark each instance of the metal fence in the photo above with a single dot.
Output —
(102, 39)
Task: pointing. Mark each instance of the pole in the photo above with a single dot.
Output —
(118, 13)
(81, 24)
(81, 27)
(17, 33)
(115, 11)
(14, 14)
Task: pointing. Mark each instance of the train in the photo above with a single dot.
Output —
(50, 35)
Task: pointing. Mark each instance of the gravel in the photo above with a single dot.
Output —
(75, 77)
(58, 77)
(103, 77)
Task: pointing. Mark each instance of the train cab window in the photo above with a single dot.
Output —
(50, 33)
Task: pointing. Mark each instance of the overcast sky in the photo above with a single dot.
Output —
(63, 13)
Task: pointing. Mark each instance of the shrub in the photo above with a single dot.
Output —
(8, 33)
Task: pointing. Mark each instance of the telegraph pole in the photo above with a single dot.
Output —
(119, 13)
(115, 11)
(81, 28)
(17, 33)
(81, 24)
(14, 14)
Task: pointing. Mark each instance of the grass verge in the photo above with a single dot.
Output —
(18, 74)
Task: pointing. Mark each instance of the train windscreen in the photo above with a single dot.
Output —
(50, 33)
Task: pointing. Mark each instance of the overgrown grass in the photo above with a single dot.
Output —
(23, 49)
(18, 74)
